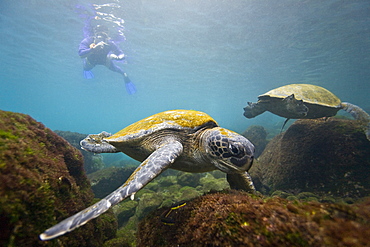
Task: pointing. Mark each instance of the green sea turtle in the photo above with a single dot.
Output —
(298, 101)
(184, 140)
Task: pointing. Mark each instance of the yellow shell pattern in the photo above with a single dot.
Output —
(175, 118)
(308, 93)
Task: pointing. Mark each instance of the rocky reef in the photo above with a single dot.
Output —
(169, 188)
(330, 157)
(92, 162)
(43, 182)
(257, 135)
(105, 181)
(239, 219)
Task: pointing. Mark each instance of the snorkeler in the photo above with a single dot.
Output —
(101, 50)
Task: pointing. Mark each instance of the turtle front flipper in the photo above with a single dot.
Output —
(253, 109)
(359, 114)
(294, 108)
(150, 168)
(96, 143)
(241, 181)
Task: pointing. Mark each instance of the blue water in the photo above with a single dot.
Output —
(209, 55)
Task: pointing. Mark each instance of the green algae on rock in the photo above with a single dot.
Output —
(330, 157)
(42, 181)
(92, 162)
(108, 179)
(237, 219)
(257, 135)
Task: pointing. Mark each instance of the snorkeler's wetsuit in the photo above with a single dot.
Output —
(94, 57)
(97, 56)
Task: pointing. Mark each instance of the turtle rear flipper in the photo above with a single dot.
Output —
(150, 168)
(253, 109)
(359, 114)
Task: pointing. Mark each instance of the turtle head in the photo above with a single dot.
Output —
(227, 150)
(96, 143)
(253, 109)
(295, 107)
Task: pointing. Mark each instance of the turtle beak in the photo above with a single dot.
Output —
(235, 165)
(242, 164)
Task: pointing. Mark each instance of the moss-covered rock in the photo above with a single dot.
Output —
(42, 182)
(92, 162)
(216, 174)
(125, 210)
(166, 181)
(188, 179)
(105, 181)
(210, 183)
(257, 135)
(187, 193)
(126, 236)
(331, 157)
(237, 219)
(147, 203)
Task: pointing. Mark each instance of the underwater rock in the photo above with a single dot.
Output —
(43, 182)
(237, 219)
(257, 135)
(188, 179)
(104, 181)
(92, 162)
(210, 183)
(166, 181)
(330, 157)
(217, 174)
(188, 193)
(147, 203)
(126, 236)
(124, 211)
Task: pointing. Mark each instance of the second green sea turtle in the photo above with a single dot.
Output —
(184, 140)
(296, 101)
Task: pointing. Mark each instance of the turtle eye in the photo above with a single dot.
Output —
(236, 150)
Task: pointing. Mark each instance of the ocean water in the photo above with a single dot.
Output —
(209, 55)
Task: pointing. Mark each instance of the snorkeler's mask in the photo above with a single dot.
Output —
(101, 36)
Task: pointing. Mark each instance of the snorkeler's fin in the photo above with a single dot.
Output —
(130, 87)
(88, 74)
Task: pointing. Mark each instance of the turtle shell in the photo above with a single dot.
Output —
(308, 93)
(186, 121)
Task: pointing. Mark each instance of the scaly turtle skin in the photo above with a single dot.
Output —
(184, 140)
(298, 101)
